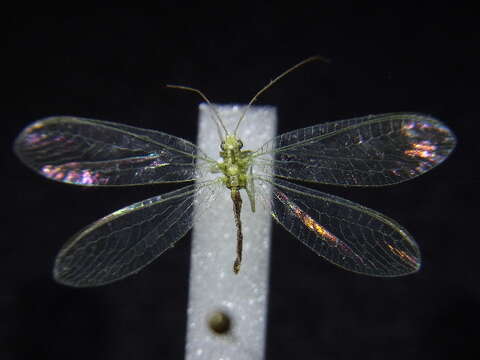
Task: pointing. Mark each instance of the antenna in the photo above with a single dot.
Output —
(212, 108)
(301, 63)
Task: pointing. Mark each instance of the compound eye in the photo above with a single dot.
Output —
(240, 144)
(222, 146)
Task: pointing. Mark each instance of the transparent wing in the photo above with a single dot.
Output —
(372, 150)
(127, 240)
(345, 233)
(92, 153)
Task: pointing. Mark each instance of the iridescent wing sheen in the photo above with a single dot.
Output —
(95, 153)
(122, 243)
(347, 234)
(366, 151)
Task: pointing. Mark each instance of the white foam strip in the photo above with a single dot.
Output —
(213, 285)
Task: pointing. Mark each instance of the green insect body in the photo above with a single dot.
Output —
(236, 167)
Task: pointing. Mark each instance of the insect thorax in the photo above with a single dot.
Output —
(236, 163)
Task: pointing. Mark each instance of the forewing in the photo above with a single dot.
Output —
(345, 233)
(127, 240)
(92, 153)
(366, 151)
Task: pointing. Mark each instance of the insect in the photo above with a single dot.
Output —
(375, 150)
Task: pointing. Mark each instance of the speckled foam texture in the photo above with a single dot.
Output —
(213, 285)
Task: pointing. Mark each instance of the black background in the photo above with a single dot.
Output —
(113, 65)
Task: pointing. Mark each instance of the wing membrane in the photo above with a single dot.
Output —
(373, 150)
(92, 153)
(345, 233)
(127, 240)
